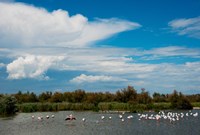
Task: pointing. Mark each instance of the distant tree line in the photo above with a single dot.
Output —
(127, 95)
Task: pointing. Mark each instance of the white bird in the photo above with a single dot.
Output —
(83, 119)
(195, 114)
(39, 118)
(182, 115)
(120, 116)
(130, 117)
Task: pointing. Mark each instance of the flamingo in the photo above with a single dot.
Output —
(120, 116)
(102, 117)
(83, 119)
(130, 117)
(40, 118)
(195, 114)
(70, 117)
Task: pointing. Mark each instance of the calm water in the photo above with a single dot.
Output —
(23, 124)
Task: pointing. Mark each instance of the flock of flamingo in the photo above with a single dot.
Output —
(171, 116)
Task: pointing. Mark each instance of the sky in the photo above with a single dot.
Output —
(99, 45)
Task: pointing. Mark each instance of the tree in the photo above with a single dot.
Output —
(19, 97)
(179, 101)
(143, 97)
(68, 97)
(94, 98)
(45, 96)
(33, 97)
(57, 97)
(126, 95)
(157, 97)
(79, 96)
(174, 99)
(8, 105)
(108, 97)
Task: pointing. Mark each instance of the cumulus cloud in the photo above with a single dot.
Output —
(183, 26)
(24, 25)
(31, 67)
(90, 79)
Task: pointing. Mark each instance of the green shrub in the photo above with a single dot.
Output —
(7, 105)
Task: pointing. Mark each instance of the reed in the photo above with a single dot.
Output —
(103, 106)
(44, 107)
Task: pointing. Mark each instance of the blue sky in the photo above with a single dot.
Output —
(99, 45)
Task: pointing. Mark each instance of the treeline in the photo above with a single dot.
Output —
(125, 95)
(124, 99)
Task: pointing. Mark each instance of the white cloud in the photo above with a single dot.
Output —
(31, 66)
(90, 79)
(111, 65)
(103, 28)
(171, 51)
(27, 26)
(183, 26)
(195, 66)
(109, 61)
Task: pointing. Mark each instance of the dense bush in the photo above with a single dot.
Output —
(179, 101)
(7, 105)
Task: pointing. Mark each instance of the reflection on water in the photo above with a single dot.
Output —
(24, 124)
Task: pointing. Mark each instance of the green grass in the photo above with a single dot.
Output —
(44, 107)
(103, 106)
(195, 104)
(133, 107)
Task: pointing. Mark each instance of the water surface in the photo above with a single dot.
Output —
(23, 124)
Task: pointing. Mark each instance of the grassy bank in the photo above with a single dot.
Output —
(44, 107)
(103, 106)
(114, 106)
(196, 104)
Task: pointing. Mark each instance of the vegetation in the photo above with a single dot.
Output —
(7, 105)
(126, 99)
(179, 101)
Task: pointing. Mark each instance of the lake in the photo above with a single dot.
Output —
(24, 124)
